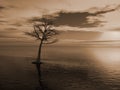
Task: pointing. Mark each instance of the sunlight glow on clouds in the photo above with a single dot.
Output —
(110, 35)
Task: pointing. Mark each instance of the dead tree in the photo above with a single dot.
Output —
(44, 32)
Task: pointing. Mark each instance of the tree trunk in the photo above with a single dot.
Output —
(38, 65)
(39, 52)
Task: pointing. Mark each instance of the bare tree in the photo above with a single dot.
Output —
(44, 32)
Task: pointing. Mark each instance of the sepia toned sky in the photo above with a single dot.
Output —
(90, 19)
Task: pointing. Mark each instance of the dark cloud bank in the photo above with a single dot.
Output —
(80, 19)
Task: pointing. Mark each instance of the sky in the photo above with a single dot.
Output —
(79, 19)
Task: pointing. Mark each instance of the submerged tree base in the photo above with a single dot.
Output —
(36, 62)
(39, 88)
(38, 67)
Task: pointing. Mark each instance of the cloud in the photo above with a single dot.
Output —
(82, 19)
(3, 21)
(115, 29)
(86, 19)
(11, 29)
(72, 19)
(6, 7)
(2, 8)
(11, 33)
(103, 10)
(76, 19)
(17, 24)
(4, 12)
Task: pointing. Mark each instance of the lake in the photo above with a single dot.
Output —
(75, 67)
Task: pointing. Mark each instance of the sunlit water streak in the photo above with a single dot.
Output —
(109, 58)
(101, 64)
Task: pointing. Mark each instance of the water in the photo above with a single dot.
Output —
(75, 67)
(79, 68)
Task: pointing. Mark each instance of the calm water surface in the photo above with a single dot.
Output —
(75, 67)
(96, 68)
